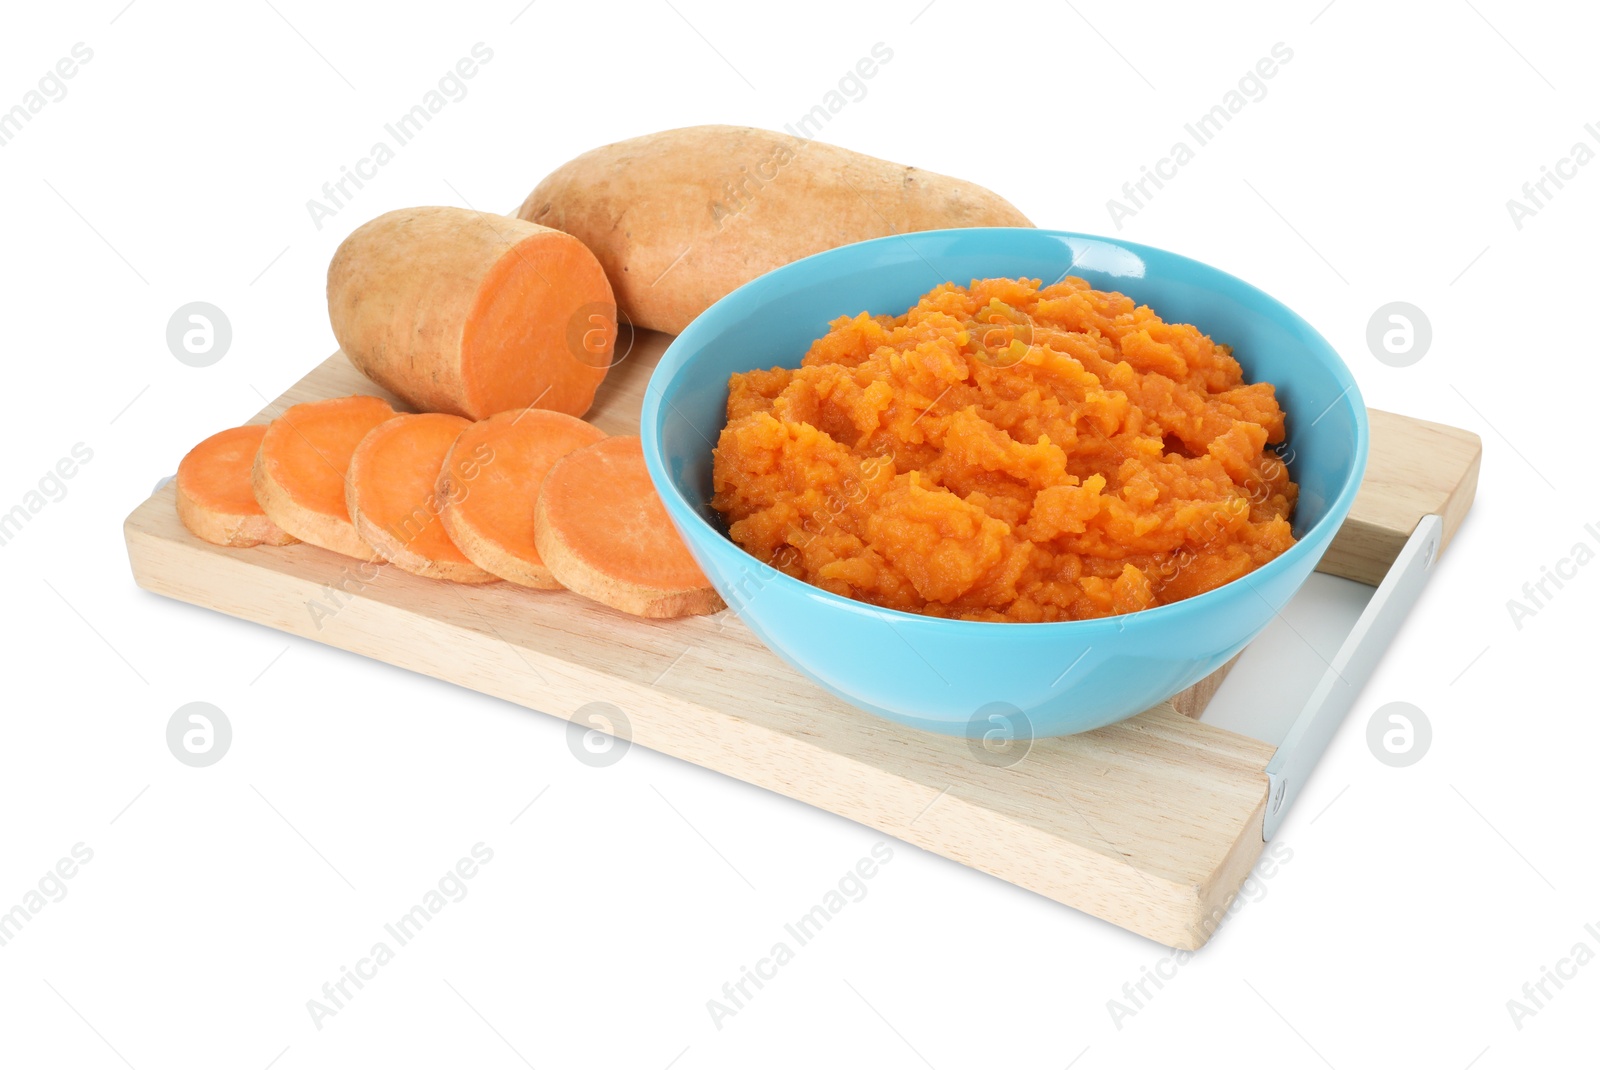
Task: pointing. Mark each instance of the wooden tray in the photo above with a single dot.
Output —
(1151, 824)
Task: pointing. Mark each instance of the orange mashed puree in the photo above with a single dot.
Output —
(1004, 452)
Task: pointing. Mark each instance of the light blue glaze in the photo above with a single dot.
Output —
(938, 674)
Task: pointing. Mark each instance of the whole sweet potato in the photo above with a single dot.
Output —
(681, 218)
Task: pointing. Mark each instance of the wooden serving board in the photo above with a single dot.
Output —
(1151, 824)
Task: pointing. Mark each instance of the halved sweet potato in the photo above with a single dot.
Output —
(470, 313)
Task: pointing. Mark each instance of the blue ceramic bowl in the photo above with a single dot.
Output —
(967, 677)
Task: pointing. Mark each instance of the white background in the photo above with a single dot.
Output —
(1417, 901)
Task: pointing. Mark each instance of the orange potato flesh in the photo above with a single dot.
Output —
(392, 498)
(490, 482)
(521, 345)
(215, 501)
(603, 532)
(1008, 452)
(300, 469)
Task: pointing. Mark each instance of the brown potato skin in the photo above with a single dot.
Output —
(733, 203)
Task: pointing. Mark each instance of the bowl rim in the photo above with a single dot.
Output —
(684, 347)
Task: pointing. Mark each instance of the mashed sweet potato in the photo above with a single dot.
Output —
(1008, 453)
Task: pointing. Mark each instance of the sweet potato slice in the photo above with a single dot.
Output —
(299, 471)
(602, 531)
(392, 499)
(215, 501)
(490, 483)
(470, 313)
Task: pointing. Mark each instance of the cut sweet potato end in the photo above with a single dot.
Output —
(300, 470)
(490, 483)
(602, 531)
(215, 499)
(393, 501)
(541, 330)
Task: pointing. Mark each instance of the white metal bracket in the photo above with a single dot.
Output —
(1336, 692)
